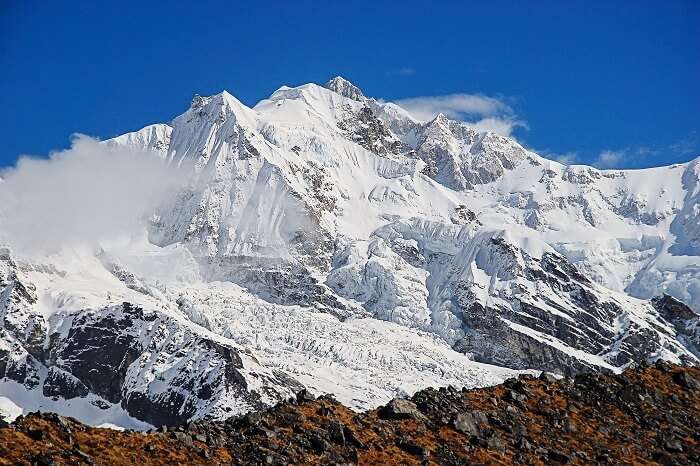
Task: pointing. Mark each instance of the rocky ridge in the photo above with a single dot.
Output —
(648, 415)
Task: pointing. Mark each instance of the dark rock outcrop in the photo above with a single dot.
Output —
(644, 416)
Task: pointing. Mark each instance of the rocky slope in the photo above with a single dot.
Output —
(643, 416)
(328, 240)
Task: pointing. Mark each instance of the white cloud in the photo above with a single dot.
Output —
(81, 196)
(502, 126)
(565, 158)
(610, 158)
(454, 106)
(569, 158)
(483, 112)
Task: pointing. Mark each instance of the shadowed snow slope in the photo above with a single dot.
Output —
(328, 240)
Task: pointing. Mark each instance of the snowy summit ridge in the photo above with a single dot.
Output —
(342, 86)
(330, 241)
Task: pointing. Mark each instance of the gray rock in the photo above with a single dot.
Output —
(495, 443)
(401, 409)
(673, 445)
(523, 444)
(84, 456)
(471, 423)
(630, 394)
(557, 456)
(413, 449)
(547, 377)
(304, 395)
(516, 397)
(183, 438)
(686, 381)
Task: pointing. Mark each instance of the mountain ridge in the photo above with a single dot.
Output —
(338, 244)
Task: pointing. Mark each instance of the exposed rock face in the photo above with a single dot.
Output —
(563, 310)
(460, 158)
(17, 298)
(647, 416)
(61, 384)
(345, 88)
(684, 320)
(115, 353)
(23, 331)
(504, 306)
(156, 369)
(369, 131)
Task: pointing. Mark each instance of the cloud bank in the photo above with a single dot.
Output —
(81, 196)
(483, 112)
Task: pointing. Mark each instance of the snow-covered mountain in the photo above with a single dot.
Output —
(331, 241)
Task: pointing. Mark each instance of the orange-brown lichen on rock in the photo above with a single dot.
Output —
(649, 415)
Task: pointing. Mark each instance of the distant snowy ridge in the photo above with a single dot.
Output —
(331, 241)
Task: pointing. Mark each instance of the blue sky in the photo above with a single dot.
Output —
(607, 83)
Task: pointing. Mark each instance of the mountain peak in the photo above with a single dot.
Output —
(223, 97)
(441, 118)
(345, 88)
(222, 104)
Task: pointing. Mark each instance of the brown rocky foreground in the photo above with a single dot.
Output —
(649, 415)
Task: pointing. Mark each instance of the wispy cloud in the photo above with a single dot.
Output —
(645, 155)
(568, 158)
(502, 126)
(483, 112)
(456, 106)
(686, 146)
(611, 158)
(404, 71)
(565, 158)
